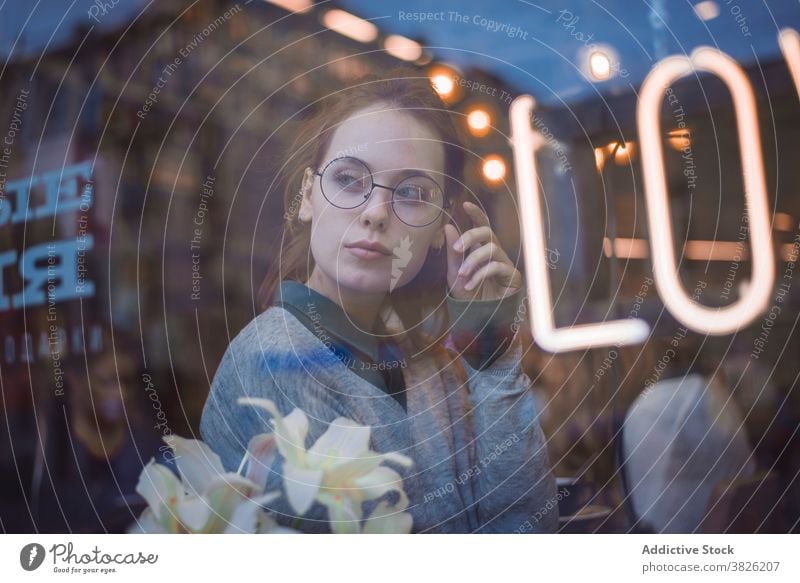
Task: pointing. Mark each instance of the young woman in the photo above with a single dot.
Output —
(385, 311)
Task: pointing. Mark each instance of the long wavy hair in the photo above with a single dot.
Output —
(422, 299)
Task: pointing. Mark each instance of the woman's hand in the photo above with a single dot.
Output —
(486, 273)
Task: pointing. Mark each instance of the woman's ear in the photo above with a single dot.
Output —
(305, 213)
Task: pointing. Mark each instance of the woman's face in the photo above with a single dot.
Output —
(391, 144)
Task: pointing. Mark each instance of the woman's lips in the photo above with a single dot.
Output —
(366, 253)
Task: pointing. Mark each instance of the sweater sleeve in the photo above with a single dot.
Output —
(481, 330)
(512, 487)
(248, 370)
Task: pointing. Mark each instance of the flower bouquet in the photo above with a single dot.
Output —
(339, 471)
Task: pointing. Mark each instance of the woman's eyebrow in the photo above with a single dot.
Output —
(412, 171)
(406, 172)
(399, 173)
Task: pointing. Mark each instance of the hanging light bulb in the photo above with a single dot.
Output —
(479, 122)
(494, 168)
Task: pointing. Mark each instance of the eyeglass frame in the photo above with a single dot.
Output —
(446, 203)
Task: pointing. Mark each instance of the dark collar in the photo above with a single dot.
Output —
(328, 314)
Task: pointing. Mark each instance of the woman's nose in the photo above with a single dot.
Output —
(377, 209)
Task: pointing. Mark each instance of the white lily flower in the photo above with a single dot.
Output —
(339, 471)
(206, 498)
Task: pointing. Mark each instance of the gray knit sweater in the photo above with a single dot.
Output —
(480, 463)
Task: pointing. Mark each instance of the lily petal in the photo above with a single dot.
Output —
(344, 473)
(194, 513)
(301, 485)
(344, 514)
(261, 453)
(196, 462)
(266, 404)
(244, 487)
(245, 518)
(342, 441)
(223, 497)
(159, 487)
(267, 498)
(290, 431)
(249, 516)
(347, 472)
(380, 481)
(398, 458)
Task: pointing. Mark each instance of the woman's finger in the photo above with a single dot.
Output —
(477, 214)
(491, 269)
(488, 252)
(474, 237)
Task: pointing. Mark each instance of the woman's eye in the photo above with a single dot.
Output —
(346, 180)
(411, 193)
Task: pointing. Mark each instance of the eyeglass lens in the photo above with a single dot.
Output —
(347, 183)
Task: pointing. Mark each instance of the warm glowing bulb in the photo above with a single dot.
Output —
(624, 153)
(293, 5)
(494, 168)
(600, 65)
(443, 84)
(706, 10)
(402, 47)
(350, 25)
(679, 140)
(783, 222)
(479, 122)
(599, 158)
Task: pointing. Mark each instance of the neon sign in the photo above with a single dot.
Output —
(702, 319)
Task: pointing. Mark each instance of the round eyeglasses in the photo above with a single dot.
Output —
(347, 183)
